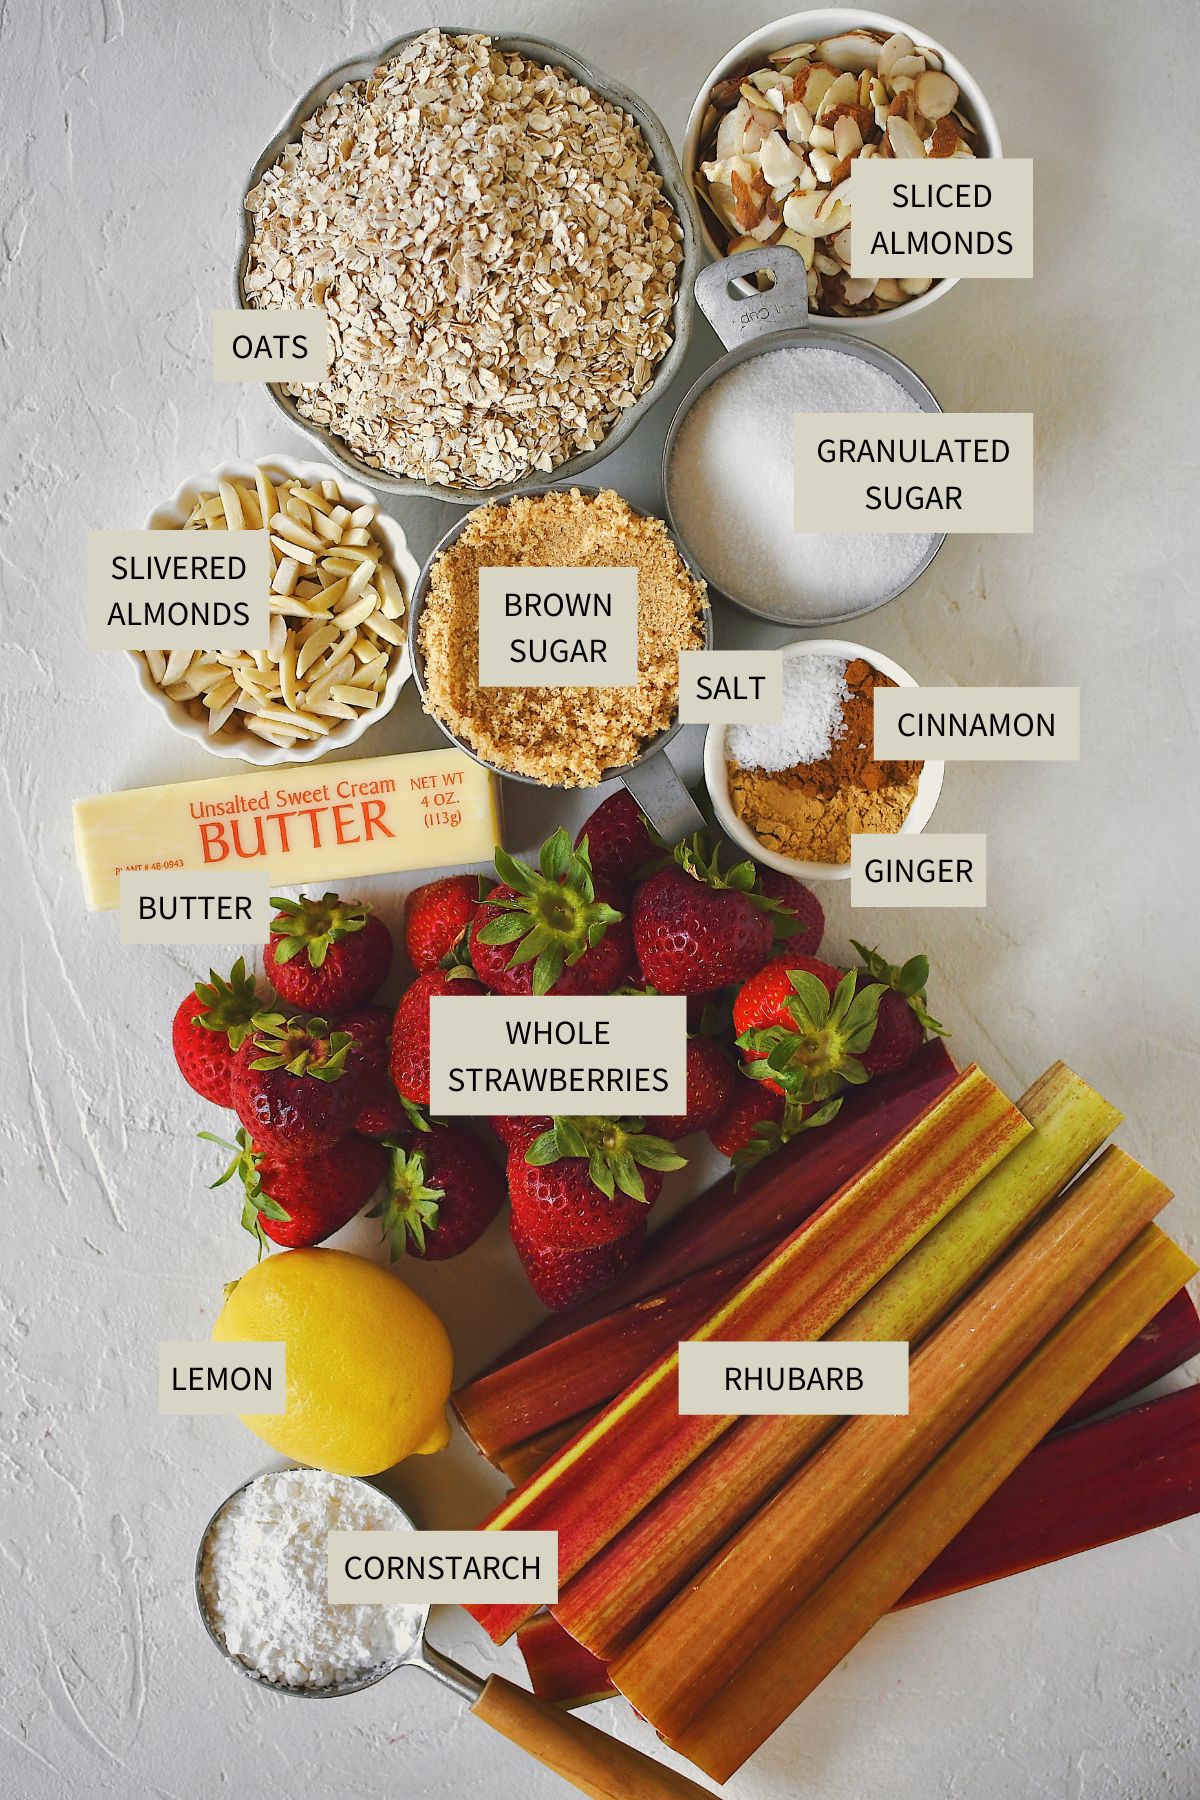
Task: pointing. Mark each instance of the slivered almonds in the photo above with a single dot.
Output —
(337, 617)
(495, 253)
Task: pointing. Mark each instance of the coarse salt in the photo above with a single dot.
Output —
(731, 486)
(263, 1578)
(814, 688)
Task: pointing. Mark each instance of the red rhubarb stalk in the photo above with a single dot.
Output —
(1170, 1339)
(638, 1445)
(1081, 1488)
(629, 1583)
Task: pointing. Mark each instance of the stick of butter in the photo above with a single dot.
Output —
(425, 810)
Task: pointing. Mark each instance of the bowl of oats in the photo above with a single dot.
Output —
(342, 581)
(778, 124)
(504, 245)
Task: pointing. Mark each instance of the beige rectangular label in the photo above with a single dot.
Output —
(277, 343)
(621, 1053)
(914, 472)
(784, 1378)
(941, 217)
(558, 627)
(730, 687)
(380, 816)
(1014, 724)
(949, 869)
(168, 590)
(173, 906)
(222, 1378)
(461, 1568)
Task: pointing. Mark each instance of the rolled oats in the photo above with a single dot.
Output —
(495, 253)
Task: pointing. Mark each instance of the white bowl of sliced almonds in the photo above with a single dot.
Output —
(342, 579)
(779, 122)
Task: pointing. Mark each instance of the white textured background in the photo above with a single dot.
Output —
(129, 128)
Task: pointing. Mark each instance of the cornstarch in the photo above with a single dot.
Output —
(263, 1577)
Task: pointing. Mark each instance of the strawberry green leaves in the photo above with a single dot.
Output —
(909, 981)
(816, 1053)
(230, 1006)
(616, 1151)
(770, 1135)
(300, 1047)
(551, 915)
(314, 925)
(256, 1205)
(409, 1204)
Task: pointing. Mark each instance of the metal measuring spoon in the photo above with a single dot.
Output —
(587, 1758)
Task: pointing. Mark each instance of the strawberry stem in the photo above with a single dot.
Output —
(617, 1150)
(409, 1206)
(314, 926)
(552, 917)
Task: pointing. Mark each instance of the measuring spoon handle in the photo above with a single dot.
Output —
(589, 1759)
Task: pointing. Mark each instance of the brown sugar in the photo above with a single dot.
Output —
(565, 737)
(810, 811)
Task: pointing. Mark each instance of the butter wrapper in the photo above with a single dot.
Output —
(430, 809)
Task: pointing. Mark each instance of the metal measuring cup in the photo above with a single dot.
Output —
(650, 778)
(585, 1757)
(752, 323)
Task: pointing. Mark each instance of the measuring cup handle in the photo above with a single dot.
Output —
(738, 317)
(588, 1759)
(664, 800)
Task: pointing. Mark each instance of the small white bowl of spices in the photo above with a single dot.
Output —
(792, 795)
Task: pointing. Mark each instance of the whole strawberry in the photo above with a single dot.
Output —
(758, 1120)
(443, 1191)
(382, 1111)
(904, 1018)
(327, 955)
(516, 1129)
(804, 1026)
(410, 1029)
(618, 839)
(210, 1027)
(565, 1278)
(587, 1181)
(751, 1108)
(303, 1200)
(291, 1088)
(696, 929)
(553, 929)
(803, 915)
(437, 918)
(710, 1079)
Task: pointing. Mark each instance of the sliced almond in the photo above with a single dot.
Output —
(904, 140)
(935, 95)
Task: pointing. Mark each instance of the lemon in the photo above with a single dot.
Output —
(368, 1363)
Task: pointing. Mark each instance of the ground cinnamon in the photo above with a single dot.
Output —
(810, 812)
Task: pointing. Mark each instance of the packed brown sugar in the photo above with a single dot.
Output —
(810, 810)
(564, 737)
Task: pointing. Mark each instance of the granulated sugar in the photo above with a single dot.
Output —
(814, 688)
(732, 488)
(263, 1577)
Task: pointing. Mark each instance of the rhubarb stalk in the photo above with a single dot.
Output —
(619, 1464)
(1084, 1487)
(628, 1584)
(687, 1655)
(874, 1576)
